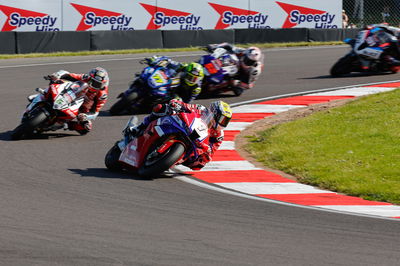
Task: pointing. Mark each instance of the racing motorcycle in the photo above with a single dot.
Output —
(167, 141)
(352, 62)
(150, 87)
(51, 108)
(218, 72)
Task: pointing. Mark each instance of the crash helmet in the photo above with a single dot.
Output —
(193, 74)
(98, 78)
(251, 56)
(222, 113)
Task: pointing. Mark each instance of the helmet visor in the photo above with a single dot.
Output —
(248, 62)
(192, 79)
(223, 121)
(96, 84)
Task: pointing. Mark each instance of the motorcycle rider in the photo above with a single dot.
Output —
(219, 115)
(374, 43)
(250, 64)
(95, 96)
(188, 75)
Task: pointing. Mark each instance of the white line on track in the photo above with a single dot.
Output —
(141, 57)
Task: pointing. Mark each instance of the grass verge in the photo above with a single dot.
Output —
(353, 149)
(137, 51)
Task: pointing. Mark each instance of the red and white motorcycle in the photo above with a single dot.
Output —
(167, 141)
(51, 108)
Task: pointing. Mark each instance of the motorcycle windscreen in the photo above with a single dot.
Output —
(130, 155)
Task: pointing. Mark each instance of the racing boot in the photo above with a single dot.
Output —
(82, 126)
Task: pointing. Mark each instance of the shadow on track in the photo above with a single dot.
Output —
(104, 173)
(214, 96)
(351, 75)
(6, 136)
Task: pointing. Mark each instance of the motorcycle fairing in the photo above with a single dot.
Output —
(212, 69)
(39, 98)
(135, 151)
(130, 155)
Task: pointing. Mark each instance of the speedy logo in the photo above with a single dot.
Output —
(92, 17)
(298, 15)
(229, 16)
(161, 17)
(19, 17)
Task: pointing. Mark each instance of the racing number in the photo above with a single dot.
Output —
(158, 79)
(213, 67)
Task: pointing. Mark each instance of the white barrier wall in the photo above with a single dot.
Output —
(87, 15)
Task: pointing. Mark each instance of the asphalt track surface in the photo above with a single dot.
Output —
(60, 206)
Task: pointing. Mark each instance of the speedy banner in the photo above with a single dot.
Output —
(310, 14)
(20, 15)
(99, 15)
(91, 15)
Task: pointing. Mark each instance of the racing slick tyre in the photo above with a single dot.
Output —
(156, 164)
(345, 65)
(123, 104)
(111, 159)
(27, 127)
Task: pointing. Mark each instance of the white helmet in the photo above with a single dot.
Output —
(251, 56)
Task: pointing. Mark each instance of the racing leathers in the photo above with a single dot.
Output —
(187, 93)
(216, 135)
(94, 101)
(247, 75)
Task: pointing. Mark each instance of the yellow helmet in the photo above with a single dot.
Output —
(194, 74)
(222, 113)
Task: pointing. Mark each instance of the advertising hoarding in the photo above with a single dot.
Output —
(92, 15)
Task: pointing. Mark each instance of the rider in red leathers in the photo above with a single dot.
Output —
(220, 114)
(95, 98)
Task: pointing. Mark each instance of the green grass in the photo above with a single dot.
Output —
(353, 149)
(137, 51)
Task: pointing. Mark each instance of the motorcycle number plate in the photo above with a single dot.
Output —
(213, 67)
(158, 79)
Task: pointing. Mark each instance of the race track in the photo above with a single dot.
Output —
(60, 206)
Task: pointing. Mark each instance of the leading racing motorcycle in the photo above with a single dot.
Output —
(52, 108)
(352, 62)
(167, 141)
(154, 85)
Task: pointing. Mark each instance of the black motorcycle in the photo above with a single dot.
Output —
(352, 62)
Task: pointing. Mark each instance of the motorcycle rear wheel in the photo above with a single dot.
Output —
(111, 159)
(345, 65)
(27, 127)
(123, 104)
(162, 162)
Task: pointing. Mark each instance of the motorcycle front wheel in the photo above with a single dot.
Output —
(155, 165)
(123, 104)
(345, 65)
(27, 127)
(111, 159)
